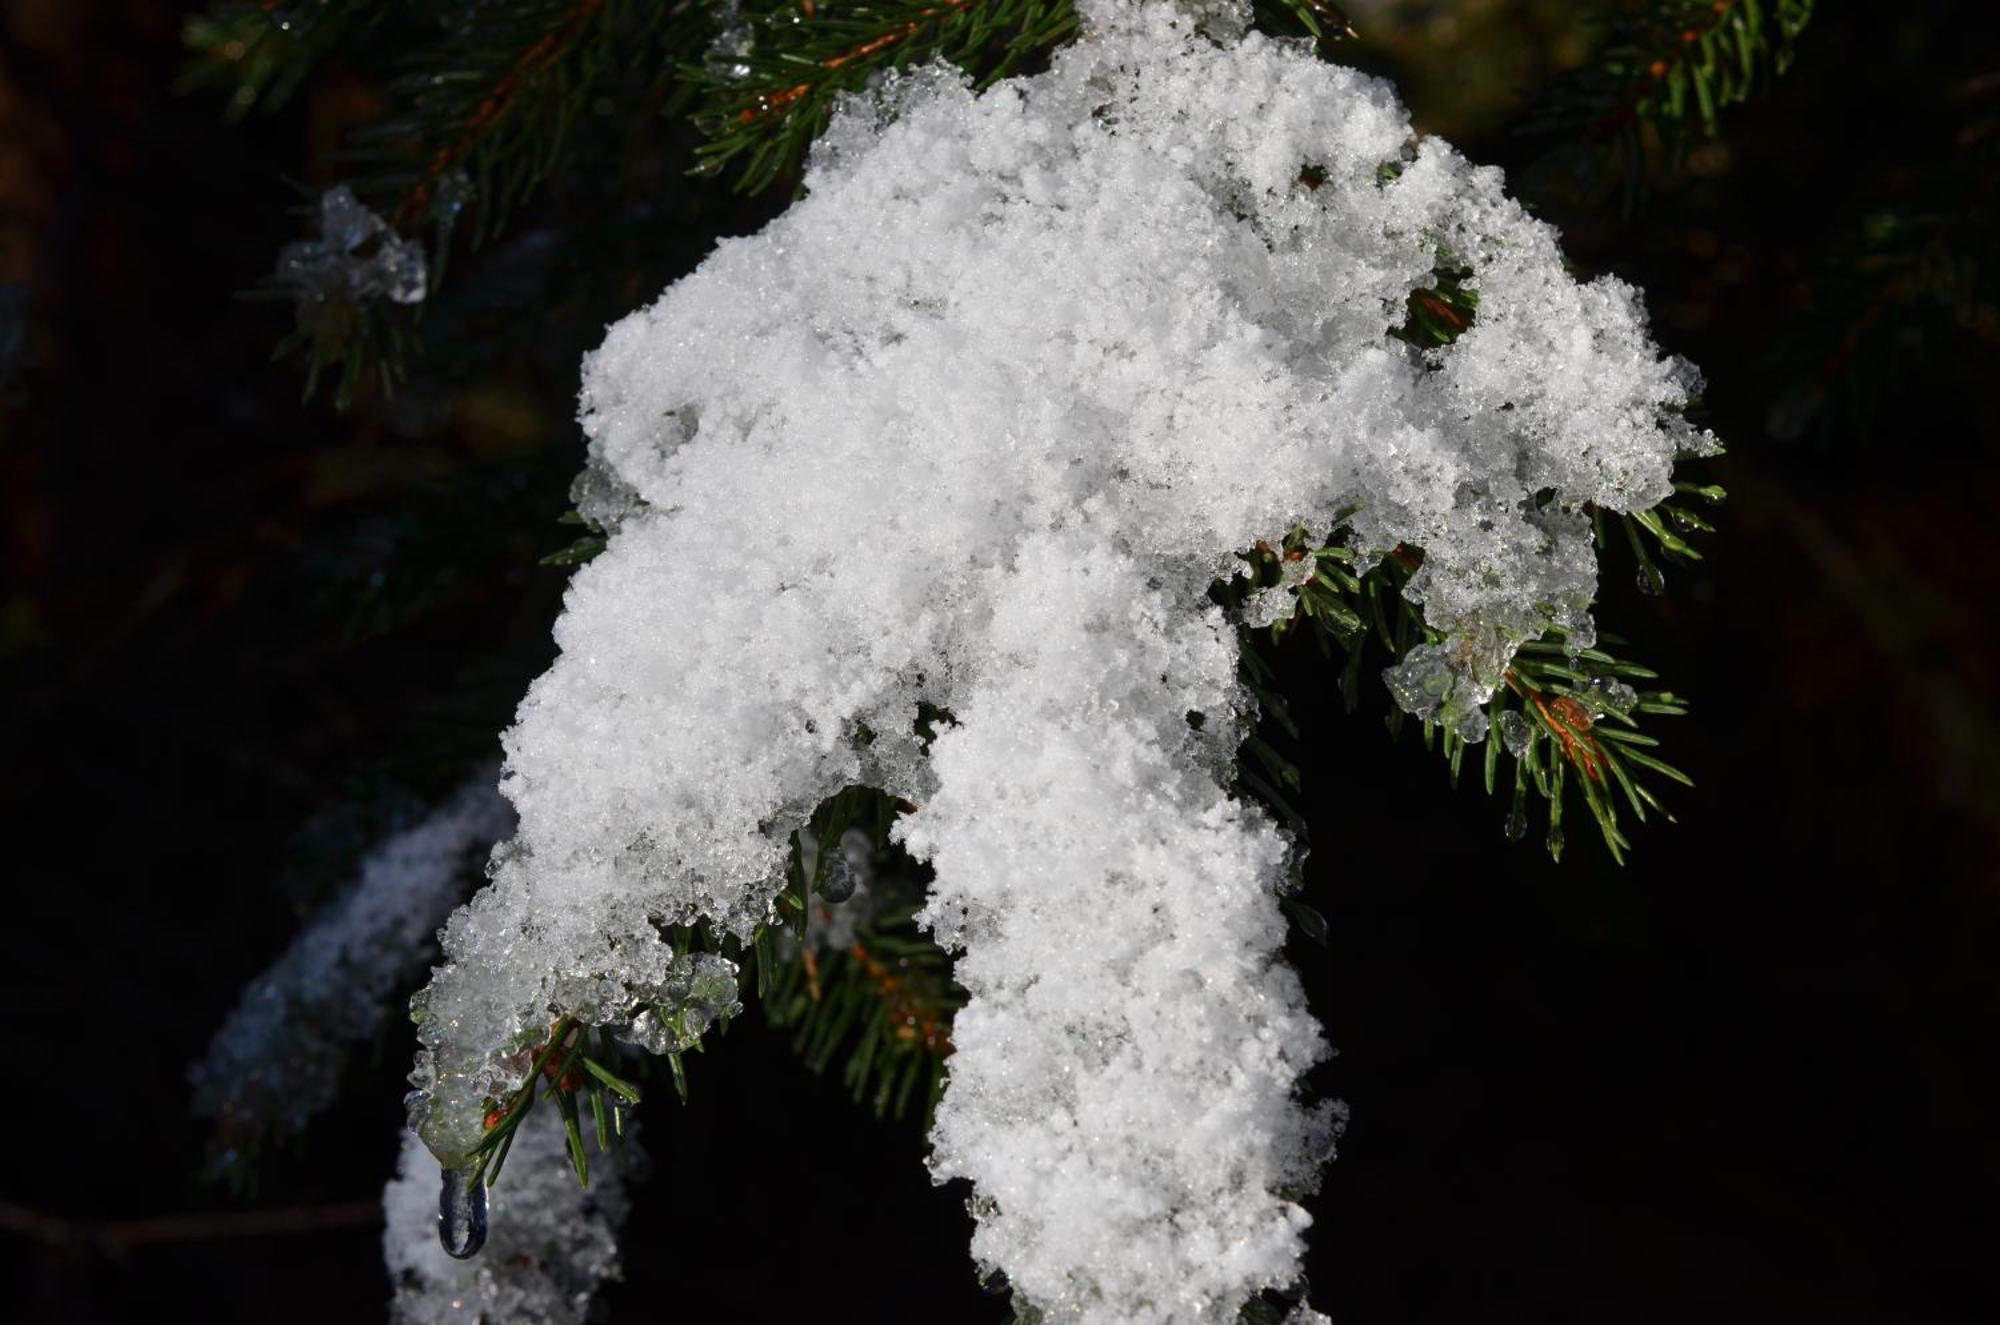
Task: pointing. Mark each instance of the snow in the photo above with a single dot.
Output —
(977, 423)
(276, 1061)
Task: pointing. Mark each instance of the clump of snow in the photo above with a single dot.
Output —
(1122, 1091)
(552, 1246)
(276, 1061)
(976, 424)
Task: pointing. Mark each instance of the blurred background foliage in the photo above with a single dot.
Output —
(242, 633)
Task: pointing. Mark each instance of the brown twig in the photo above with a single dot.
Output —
(1570, 721)
(536, 59)
(772, 104)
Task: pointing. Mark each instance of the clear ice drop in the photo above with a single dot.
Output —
(462, 1213)
(839, 881)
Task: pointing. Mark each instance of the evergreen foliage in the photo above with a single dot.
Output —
(1663, 73)
(1913, 289)
(493, 109)
(770, 85)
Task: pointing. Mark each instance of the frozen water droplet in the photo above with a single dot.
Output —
(840, 879)
(462, 1212)
(1422, 682)
(1651, 582)
(1472, 726)
(403, 277)
(343, 222)
(1514, 733)
(1611, 697)
(1517, 821)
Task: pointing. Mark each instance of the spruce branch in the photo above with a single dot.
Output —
(878, 1001)
(486, 121)
(881, 1000)
(764, 103)
(1565, 714)
(771, 82)
(882, 1006)
(481, 113)
(569, 1069)
(1437, 314)
(1564, 719)
(1324, 20)
(256, 55)
(1688, 59)
(1910, 291)
(482, 108)
(1665, 70)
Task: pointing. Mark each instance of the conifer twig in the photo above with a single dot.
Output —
(499, 99)
(764, 105)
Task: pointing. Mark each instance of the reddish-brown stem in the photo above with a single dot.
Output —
(499, 98)
(772, 104)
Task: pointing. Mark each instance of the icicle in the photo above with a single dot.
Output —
(462, 1212)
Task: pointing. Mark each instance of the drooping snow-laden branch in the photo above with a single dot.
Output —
(974, 427)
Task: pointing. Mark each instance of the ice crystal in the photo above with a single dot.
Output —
(356, 258)
(697, 991)
(976, 424)
(1279, 601)
(1606, 696)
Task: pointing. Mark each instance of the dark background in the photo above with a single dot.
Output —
(1749, 1076)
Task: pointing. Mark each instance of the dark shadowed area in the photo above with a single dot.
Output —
(1749, 1075)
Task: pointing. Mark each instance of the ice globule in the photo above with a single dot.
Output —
(462, 1211)
(1605, 695)
(975, 426)
(698, 991)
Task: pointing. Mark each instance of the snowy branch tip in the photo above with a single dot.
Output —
(977, 424)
